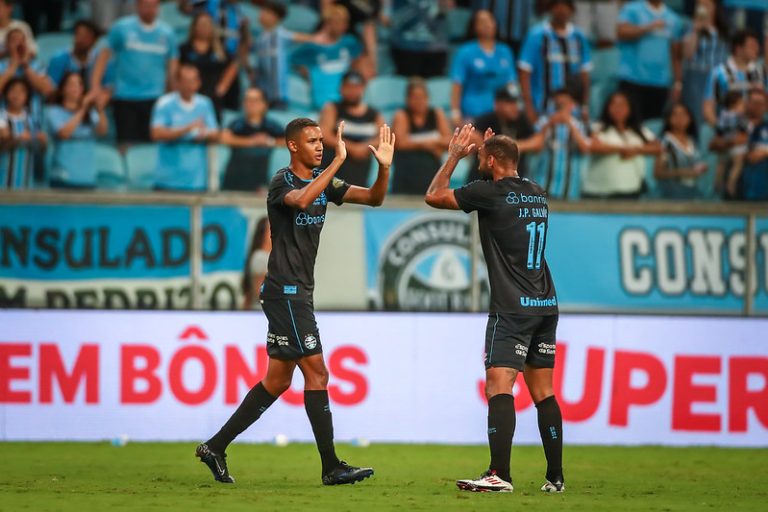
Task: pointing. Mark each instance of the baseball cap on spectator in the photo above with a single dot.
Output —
(509, 92)
(353, 77)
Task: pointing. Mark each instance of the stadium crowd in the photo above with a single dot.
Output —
(607, 99)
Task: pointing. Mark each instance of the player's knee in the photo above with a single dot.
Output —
(276, 386)
(317, 378)
(539, 393)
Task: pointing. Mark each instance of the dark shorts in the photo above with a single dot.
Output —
(512, 341)
(132, 120)
(293, 331)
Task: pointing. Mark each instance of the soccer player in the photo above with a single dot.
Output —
(296, 205)
(521, 325)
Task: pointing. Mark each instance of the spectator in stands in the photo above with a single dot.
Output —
(563, 139)
(422, 133)
(513, 18)
(256, 264)
(105, 12)
(146, 58)
(650, 56)
(35, 10)
(251, 138)
(217, 69)
(741, 72)
(506, 118)
(229, 17)
(619, 147)
(748, 14)
(732, 126)
(679, 169)
(705, 46)
(361, 128)
(74, 122)
(754, 182)
(20, 62)
(81, 58)
(183, 122)
(479, 67)
(553, 52)
(20, 136)
(271, 49)
(326, 59)
(419, 36)
(597, 19)
(363, 18)
(7, 23)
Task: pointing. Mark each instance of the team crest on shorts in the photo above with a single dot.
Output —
(310, 341)
(425, 264)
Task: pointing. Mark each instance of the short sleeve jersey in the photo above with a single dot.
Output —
(513, 215)
(295, 236)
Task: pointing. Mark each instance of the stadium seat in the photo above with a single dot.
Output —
(461, 172)
(655, 126)
(279, 158)
(299, 93)
(386, 92)
(301, 19)
(169, 13)
(141, 163)
(110, 167)
(227, 116)
(51, 43)
(222, 154)
(458, 19)
(440, 92)
(252, 13)
(283, 117)
(386, 65)
(605, 62)
(598, 93)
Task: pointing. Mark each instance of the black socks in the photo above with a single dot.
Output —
(319, 413)
(501, 428)
(551, 430)
(253, 405)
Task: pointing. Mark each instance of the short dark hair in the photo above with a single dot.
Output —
(276, 7)
(740, 37)
(732, 97)
(186, 65)
(296, 126)
(89, 25)
(569, 3)
(503, 148)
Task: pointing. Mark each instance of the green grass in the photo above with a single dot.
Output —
(98, 476)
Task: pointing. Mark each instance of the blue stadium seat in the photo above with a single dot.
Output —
(51, 43)
(110, 167)
(227, 116)
(283, 117)
(459, 176)
(655, 126)
(458, 19)
(386, 65)
(301, 19)
(141, 164)
(598, 93)
(605, 62)
(386, 92)
(222, 155)
(252, 13)
(169, 13)
(299, 93)
(279, 158)
(440, 92)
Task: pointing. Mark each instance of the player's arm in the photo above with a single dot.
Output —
(374, 196)
(439, 194)
(303, 197)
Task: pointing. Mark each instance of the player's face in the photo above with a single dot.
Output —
(309, 146)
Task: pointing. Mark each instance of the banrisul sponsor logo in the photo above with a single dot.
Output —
(425, 265)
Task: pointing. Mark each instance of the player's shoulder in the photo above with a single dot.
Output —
(531, 186)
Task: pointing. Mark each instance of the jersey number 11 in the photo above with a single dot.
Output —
(532, 229)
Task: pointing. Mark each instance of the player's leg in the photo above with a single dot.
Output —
(501, 418)
(318, 409)
(256, 401)
(538, 373)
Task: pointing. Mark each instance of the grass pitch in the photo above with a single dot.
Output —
(148, 477)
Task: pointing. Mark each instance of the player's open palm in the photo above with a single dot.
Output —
(386, 149)
(341, 147)
(460, 146)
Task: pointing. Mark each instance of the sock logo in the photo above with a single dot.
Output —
(492, 430)
(553, 432)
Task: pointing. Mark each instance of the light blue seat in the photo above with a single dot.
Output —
(51, 43)
(605, 62)
(301, 19)
(440, 92)
(598, 93)
(283, 117)
(180, 22)
(655, 126)
(222, 155)
(298, 93)
(386, 92)
(279, 158)
(227, 116)
(141, 164)
(458, 19)
(110, 167)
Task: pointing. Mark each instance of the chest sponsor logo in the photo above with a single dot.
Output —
(425, 265)
(305, 219)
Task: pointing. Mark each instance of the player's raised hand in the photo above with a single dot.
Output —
(341, 147)
(460, 146)
(488, 134)
(386, 149)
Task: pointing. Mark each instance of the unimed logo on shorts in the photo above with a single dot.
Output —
(425, 265)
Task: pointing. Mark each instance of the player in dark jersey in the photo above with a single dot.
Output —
(520, 336)
(296, 204)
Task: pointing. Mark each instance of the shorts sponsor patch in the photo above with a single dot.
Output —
(290, 289)
(276, 339)
(521, 349)
(310, 341)
(546, 349)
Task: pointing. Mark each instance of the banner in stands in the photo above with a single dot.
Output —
(117, 257)
(600, 262)
(406, 377)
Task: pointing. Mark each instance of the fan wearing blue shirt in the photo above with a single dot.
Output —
(329, 57)
(650, 55)
(145, 57)
(182, 123)
(74, 122)
(479, 68)
(81, 58)
(754, 179)
(555, 54)
(20, 62)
